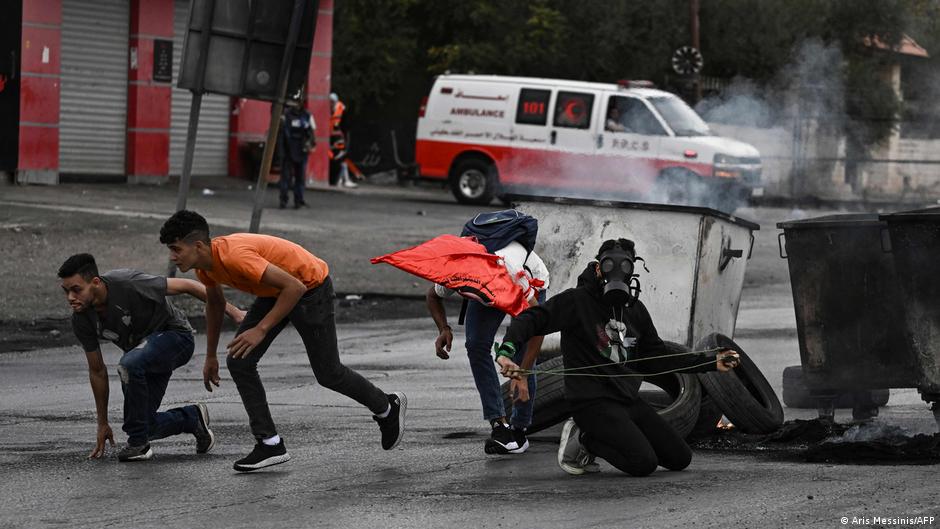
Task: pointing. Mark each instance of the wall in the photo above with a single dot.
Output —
(38, 156)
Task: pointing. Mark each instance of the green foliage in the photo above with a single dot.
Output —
(386, 52)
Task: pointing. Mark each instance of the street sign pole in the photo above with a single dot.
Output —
(183, 192)
(277, 108)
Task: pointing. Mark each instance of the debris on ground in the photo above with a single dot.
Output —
(818, 441)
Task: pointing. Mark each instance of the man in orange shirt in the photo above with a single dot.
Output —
(292, 285)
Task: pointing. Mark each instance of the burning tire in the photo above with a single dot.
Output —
(709, 414)
(744, 395)
(677, 403)
(797, 395)
(474, 180)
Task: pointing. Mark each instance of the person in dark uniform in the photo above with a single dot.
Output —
(297, 138)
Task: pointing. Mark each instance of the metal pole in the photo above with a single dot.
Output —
(276, 109)
(190, 151)
(694, 31)
(195, 106)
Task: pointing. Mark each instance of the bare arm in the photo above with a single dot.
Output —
(176, 286)
(290, 291)
(445, 337)
(215, 308)
(98, 377)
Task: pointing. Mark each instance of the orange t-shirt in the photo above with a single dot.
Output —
(239, 260)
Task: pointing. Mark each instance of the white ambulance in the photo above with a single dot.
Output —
(492, 135)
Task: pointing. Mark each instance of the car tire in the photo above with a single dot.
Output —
(474, 181)
(677, 402)
(743, 394)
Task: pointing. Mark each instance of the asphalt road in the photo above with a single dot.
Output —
(439, 476)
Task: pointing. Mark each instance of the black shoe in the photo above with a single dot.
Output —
(282, 205)
(205, 439)
(135, 453)
(522, 443)
(263, 456)
(501, 440)
(393, 426)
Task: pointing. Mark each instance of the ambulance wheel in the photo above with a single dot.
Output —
(474, 181)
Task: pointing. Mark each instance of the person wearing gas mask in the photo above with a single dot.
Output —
(605, 330)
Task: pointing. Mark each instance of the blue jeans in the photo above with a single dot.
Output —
(145, 372)
(481, 325)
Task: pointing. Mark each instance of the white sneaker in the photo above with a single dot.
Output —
(573, 458)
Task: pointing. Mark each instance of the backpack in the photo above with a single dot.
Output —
(495, 230)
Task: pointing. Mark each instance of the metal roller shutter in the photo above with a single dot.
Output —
(93, 100)
(211, 157)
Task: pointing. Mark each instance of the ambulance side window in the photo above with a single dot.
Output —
(533, 106)
(629, 114)
(573, 110)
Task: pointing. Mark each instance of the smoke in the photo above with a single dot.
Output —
(741, 103)
(796, 120)
(622, 175)
(810, 86)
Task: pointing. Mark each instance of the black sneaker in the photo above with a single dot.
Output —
(501, 440)
(263, 456)
(522, 443)
(205, 439)
(393, 426)
(135, 453)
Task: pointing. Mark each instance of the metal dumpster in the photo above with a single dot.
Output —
(848, 313)
(915, 250)
(696, 257)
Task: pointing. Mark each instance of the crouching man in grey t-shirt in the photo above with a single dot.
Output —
(130, 309)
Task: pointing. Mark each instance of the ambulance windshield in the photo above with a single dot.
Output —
(681, 119)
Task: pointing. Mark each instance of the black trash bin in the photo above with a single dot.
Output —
(915, 249)
(848, 308)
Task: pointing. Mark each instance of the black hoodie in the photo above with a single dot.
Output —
(581, 316)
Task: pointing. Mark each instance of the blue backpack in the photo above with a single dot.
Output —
(495, 230)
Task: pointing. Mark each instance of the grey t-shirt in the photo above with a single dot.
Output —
(137, 307)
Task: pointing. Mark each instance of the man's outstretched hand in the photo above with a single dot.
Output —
(104, 434)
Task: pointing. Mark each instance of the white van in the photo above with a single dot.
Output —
(490, 135)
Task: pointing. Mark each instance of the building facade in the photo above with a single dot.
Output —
(86, 94)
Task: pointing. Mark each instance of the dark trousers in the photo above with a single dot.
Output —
(145, 372)
(631, 437)
(292, 178)
(313, 319)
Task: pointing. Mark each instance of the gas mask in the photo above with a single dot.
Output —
(621, 287)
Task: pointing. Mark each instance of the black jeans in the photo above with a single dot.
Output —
(313, 319)
(631, 437)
